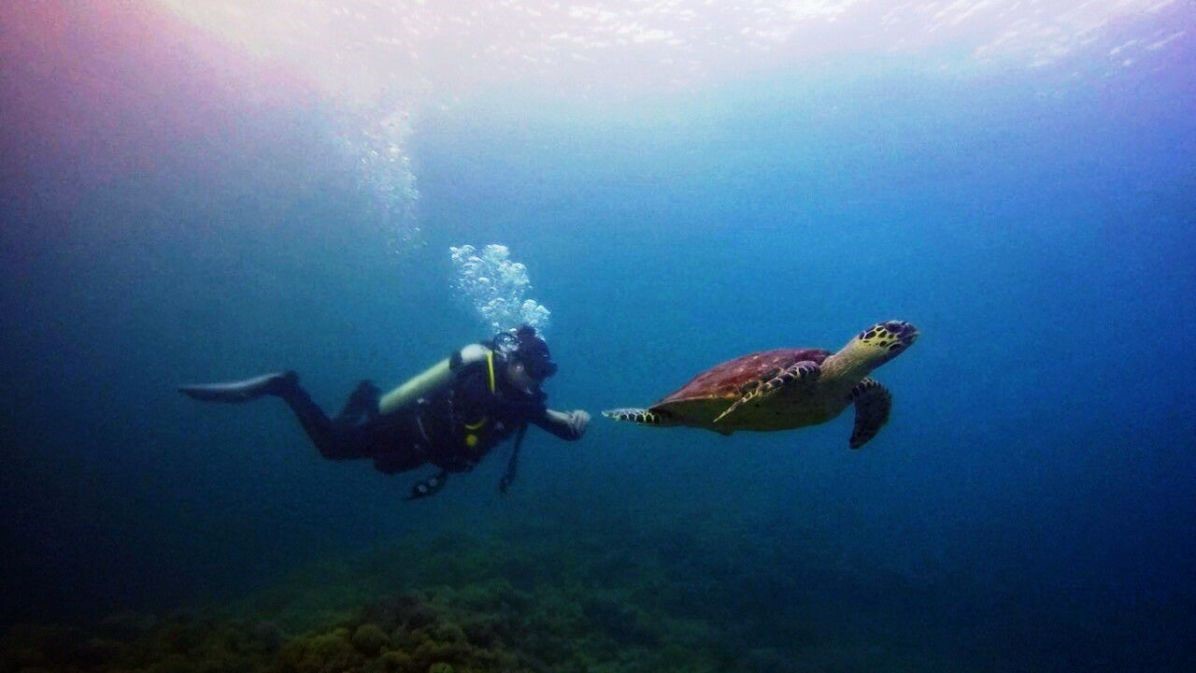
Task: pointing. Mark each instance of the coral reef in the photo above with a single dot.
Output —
(521, 600)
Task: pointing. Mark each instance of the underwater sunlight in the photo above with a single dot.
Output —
(870, 340)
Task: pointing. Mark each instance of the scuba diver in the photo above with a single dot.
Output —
(450, 416)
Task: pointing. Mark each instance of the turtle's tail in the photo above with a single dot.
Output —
(641, 416)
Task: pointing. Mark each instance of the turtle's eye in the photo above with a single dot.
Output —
(894, 326)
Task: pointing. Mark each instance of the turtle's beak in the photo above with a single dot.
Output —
(904, 331)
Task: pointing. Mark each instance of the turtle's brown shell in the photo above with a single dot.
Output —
(726, 380)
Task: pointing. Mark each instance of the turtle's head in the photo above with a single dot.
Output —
(878, 344)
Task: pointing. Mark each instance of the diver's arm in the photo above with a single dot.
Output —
(431, 379)
(568, 425)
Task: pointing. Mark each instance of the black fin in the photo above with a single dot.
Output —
(276, 383)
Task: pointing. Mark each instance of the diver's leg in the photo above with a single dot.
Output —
(336, 440)
(340, 439)
(315, 422)
(361, 406)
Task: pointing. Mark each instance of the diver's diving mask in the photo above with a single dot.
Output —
(522, 344)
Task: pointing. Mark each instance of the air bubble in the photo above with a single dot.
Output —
(495, 287)
(384, 176)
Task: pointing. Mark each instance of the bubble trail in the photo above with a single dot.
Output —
(496, 287)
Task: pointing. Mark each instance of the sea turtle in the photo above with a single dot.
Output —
(787, 388)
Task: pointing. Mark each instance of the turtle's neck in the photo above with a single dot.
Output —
(849, 365)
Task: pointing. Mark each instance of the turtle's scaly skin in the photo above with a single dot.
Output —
(786, 388)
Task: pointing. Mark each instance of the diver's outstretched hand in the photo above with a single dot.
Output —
(579, 419)
(568, 425)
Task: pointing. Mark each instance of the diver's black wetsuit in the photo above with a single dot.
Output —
(452, 429)
(450, 416)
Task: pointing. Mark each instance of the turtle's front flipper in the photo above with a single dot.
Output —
(799, 374)
(641, 416)
(872, 405)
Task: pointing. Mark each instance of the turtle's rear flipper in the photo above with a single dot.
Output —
(277, 383)
(641, 416)
(797, 375)
(872, 405)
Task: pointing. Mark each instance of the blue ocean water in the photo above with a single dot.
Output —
(1029, 506)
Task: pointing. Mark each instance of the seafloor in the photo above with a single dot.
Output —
(588, 590)
(572, 594)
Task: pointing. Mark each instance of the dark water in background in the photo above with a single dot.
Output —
(1036, 480)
